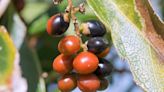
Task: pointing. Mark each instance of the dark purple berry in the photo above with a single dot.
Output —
(104, 69)
(103, 84)
(98, 46)
(56, 25)
(93, 28)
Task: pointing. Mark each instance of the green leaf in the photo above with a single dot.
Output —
(39, 25)
(7, 56)
(30, 67)
(126, 25)
(34, 9)
(41, 86)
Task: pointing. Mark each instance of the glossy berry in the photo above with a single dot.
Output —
(88, 83)
(98, 46)
(67, 83)
(85, 63)
(56, 25)
(62, 64)
(104, 68)
(93, 28)
(103, 84)
(69, 45)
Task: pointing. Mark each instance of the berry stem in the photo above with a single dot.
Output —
(68, 9)
(73, 10)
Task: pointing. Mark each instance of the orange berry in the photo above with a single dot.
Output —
(67, 83)
(88, 83)
(69, 45)
(62, 64)
(85, 63)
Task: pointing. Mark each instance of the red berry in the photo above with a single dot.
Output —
(88, 83)
(85, 63)
(56, 25)
(69, 45)
(67, 83)
(62, 64)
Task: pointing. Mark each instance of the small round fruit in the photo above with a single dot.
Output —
(56, 25)
(88, 83)
(104, 69)
(62, 64)
(93, 28)
(103, 84)
(98, 46)
(67, 83)
(85, 63)
(69, 45)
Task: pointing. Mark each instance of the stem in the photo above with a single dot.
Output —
(68, 9)
(73, 10)
(74, 19)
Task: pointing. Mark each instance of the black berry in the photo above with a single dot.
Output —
(98, 46)
(93, 28)
(103, 84)
(56, 25)
(104, 69)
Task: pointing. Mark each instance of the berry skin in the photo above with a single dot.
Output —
(67, 83)
(62, 64)
(56, 25)
(69, 45)
(88, 83)
(85, 63)
(98, 46)
(93, 28)
(104, 68)
(103, 84)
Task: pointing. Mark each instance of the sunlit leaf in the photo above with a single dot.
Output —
(126, 25)
(7, 56)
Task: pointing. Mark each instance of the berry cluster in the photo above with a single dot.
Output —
(83, 69)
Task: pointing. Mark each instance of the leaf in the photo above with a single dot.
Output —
(157, 21)
(7, 56)
(19, 83)
(39, 25)
(18, 31)
(30, 67)
(3, 6)
(41, 86)
(126, 25)
(34, 9)
(153, 27)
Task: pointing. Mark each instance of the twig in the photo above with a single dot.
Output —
(73, 10)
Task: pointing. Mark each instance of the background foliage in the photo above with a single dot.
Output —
(27, 52)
